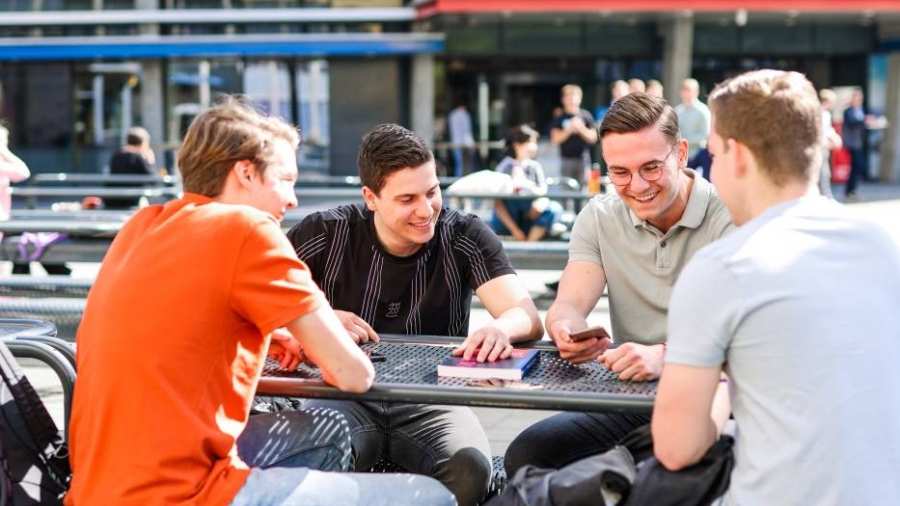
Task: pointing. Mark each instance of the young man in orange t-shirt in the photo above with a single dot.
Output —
(191, 297)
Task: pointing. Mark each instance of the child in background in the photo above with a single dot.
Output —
(525, 220)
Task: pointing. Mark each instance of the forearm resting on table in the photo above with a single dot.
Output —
(326, 342)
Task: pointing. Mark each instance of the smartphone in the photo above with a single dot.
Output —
(599, 332)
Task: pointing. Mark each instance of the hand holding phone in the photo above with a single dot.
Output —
(597, 332)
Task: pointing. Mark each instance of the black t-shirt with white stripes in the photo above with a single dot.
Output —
(427, 293)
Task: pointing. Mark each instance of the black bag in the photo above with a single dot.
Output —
(627, 475)
(33, 453)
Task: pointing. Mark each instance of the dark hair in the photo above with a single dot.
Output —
(519, 135)
(637, 111)
(386, 149)
(137, 136)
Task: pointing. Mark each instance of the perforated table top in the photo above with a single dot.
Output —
(409, 374)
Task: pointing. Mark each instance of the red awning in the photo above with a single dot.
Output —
(430, 8)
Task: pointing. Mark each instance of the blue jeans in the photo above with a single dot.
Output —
(519, 211)
(293, 456)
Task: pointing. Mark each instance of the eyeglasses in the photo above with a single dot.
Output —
(649, 172)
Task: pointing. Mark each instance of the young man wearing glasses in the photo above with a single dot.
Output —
(635, 242)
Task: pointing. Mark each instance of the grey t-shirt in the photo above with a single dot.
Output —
(640, 262)
(801, 306)
(694, 123)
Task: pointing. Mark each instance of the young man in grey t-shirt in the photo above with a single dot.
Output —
(635, 242)
(806, 325)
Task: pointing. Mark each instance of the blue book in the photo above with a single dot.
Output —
(512, 368)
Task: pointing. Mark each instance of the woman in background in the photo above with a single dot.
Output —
(525, 220)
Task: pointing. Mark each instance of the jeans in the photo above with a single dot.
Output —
(519, 210)
(446, 442)
(562, 439)
(292, 455)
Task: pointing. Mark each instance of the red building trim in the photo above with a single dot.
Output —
(486, 6)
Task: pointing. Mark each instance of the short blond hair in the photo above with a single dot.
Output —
(572, 88)
(777, 115)
(223, 135)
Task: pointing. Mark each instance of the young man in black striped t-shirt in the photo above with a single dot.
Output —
(402, 263)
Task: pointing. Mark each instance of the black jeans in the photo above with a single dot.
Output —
(562, 439)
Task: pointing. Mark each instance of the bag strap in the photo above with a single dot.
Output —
(50, 447)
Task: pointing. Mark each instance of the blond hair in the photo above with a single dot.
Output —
(777, 115)
(223, 135)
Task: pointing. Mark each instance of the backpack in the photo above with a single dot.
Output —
(626, 475)
(34, 465)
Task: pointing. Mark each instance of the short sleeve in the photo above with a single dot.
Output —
(309, 238)
(702, 312)
(588, 119)
(557, 122)
(271, 286)
(483, 252)
(584, 243)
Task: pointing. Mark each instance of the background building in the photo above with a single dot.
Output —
(74, 74)
(510, 57)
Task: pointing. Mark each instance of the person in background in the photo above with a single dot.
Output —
(574, 133)
(635, 84)
(12, 170)
(853, 134)
(617, 90)
(655, 88)
(462, 139)
(525, 220)
(134, 158)
(831, 140)
(693, 121)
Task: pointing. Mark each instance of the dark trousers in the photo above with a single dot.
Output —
(444, 442)
(857, 169)
(562, 439)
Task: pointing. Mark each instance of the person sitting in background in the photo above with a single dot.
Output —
(525, 220)
(12, 170)
(134, 158)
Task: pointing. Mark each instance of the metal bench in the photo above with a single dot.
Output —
(65, 313)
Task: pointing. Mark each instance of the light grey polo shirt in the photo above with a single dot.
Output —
(641, 263)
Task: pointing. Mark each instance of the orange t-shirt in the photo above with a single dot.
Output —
(171, 348)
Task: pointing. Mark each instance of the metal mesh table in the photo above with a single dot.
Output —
(410, 375)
